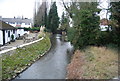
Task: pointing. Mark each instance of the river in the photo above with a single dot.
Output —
(53, 64)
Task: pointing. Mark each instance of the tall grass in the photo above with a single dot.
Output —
(94, 63)
(100, 63)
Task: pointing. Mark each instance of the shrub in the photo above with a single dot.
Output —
(12, 37)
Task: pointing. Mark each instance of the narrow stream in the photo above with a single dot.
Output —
(53, 64)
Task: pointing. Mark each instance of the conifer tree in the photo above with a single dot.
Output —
(85, 30)
(53, 19)
(64, 22)
(115, 21)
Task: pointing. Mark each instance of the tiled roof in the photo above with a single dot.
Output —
(19, 20)
(5, 26)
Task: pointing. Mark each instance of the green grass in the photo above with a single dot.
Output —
(23, 57)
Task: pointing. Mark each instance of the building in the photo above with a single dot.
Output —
(21, 32)
(18, 22)
(6, 33)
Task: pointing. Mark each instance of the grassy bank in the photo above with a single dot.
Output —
(15, 63)
(94, 63)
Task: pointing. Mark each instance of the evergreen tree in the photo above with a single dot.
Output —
(88, 24)
(53, 19)
(64, 22)
(63, 18)
(85, 30)
(45, 18)
(35, 17)
(115, 21)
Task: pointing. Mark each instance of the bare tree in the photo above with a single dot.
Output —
(40, 14)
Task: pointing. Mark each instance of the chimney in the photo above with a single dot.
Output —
(22, 17)
(0, 18)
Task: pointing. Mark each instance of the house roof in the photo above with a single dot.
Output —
(19, 20)
(5, 26)
(104, 21)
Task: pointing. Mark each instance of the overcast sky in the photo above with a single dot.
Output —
(11, 8)
(25, 8)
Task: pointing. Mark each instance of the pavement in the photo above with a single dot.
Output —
(17, 42)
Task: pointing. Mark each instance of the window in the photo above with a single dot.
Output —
(12, 22)
(27, 23)
(14, 31)
(19, 23)
(8, 33)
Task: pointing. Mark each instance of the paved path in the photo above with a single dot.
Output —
(17, 42)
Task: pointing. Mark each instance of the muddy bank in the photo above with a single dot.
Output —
(74, 69)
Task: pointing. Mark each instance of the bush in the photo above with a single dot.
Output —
(12, 37)
(47, 30)
(71, 34)
(41, 35)
(32, 29)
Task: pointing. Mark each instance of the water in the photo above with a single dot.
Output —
(53, 64)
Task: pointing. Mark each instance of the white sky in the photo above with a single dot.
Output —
(11, 8)
(25, 8)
